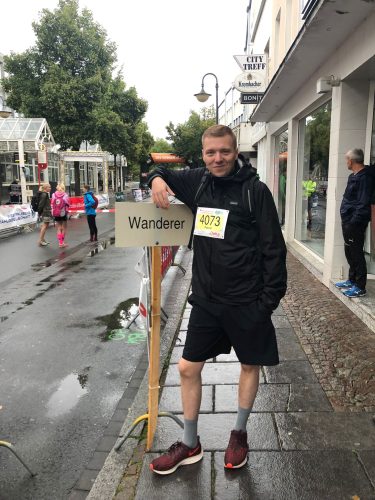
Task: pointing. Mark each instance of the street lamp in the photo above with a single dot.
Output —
(202, 96)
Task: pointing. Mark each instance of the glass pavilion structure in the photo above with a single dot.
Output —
(20, 141)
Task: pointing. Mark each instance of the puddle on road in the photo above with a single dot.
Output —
(67, 395)
(117, 322)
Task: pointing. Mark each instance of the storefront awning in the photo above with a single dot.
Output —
(327, 27)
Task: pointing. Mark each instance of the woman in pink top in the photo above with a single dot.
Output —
(60, 205)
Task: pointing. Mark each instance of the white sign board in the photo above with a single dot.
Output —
(143, 225)
(252, 62)
(249, 82)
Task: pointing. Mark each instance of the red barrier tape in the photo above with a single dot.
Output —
(97, 210)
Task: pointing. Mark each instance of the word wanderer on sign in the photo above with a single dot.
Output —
(145, 225)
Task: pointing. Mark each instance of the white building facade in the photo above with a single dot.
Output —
(318, 104)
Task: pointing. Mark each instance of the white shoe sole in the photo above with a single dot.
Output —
(237, 466)
(187, 461)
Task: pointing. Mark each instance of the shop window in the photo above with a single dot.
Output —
(280, 173)
(312, 178)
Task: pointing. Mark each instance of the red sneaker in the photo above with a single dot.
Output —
(236, 453)
(178, 454)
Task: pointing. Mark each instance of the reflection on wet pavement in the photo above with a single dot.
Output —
(70, 390)
(119, 322)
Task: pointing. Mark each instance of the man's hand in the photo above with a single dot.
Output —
(160, 191)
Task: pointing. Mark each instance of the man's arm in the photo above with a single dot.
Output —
(160, 192)
(362, 210)
(272, 249)
(183, 184)
(42, 202)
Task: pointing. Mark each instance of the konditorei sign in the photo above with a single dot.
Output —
(143, 224)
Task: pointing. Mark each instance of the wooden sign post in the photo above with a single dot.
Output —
(140, 225)
(153, 378)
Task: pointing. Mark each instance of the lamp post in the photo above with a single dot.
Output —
(202, 96)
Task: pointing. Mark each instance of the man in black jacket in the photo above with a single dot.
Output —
(239, 276)
(355, 214)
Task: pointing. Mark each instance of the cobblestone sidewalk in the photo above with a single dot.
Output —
(339, 346)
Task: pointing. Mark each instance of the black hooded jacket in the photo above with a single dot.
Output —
(356, 203)
(249, 263)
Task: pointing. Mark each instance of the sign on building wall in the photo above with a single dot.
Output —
(249, 82)
(251, 98)
(252, 81)
(252, 62)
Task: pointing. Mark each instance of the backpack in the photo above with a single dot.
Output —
(96, 201)
(58, 207)
(248, 197)
(35, 199)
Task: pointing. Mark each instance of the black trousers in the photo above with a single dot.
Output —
(92, 225)
(354, 238)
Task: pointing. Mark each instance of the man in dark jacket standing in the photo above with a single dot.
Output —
(355, 214)
(239, 277)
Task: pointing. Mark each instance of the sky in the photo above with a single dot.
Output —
(164, 47)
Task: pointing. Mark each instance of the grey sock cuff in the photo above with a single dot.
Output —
(190, 436)
(242, 418)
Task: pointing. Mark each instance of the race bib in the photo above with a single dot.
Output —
(211, 222)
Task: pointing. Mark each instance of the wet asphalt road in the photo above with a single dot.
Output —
(62, 373)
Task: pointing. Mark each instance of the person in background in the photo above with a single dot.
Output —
(60, 205)
(14, 192)
(355, 214)
(309, 188)
(45, 214)
(90, 212)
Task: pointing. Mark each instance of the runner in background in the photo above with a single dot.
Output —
(60, 205)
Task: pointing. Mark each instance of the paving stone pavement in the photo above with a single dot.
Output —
(339, 346)
(311, 432)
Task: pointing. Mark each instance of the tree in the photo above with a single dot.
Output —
(161, 146)
(144, 144)
(317, 140)
(67, 78)
(186, 137)
(118, 121)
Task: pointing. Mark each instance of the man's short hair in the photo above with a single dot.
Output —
(355, 155)
(219, 131)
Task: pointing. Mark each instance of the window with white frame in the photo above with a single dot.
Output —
(312, 178)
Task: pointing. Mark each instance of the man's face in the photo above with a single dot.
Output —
(349, 162)
(219, 155)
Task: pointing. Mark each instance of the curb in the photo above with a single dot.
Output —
(108, 479)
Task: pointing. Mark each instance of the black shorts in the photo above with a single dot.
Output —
(214, 328)
(63, 218)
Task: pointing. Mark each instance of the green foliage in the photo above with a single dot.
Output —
(161, 146)
(117, 118)
(67, 79)
(186, 137)
(143, 144)
(66, 73)
(317, 139)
